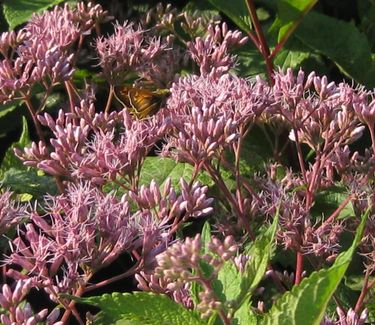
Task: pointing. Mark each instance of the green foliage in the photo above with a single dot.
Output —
(17, 12)
(29, 183)
(232, 287)
(329, 200)
(10, 160)
(313, 38)
(335, 39)
(228, 283)
(206, 236)
(160, 169)
(26, 182)
(342, 43)
(140, 308)
(290, 13)
(307, 302)
(250, 62)
(236, 10)
(10, 117)
(260, 251)
(291, 59)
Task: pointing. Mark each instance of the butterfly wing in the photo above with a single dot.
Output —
(141, 102)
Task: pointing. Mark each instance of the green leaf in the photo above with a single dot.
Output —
(160, 169)
(290, 14)
(244, 315)
(371, 310)
(230, 282)
(236, 10)
(251, 62)
(307, 302)
(290, 59)
(206, 236)
(10, 116)
(342, 43)
(355, 282)
(17, 12)
(329, 200)
(260, 253)
(141, 308)
(10, 160)
(366, 13)
(27, 181)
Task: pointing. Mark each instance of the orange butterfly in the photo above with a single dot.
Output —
(141, 102)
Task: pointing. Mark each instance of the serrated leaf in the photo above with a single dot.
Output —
(230, 282)
(236, 10)
(340, 41)
(141, 308)
(17, 12)
(307, 302)
(10, 160)
(244, 315)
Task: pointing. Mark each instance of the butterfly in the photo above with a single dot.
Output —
(141, 102)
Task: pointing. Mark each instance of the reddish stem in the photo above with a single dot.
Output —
(262, 45)
(130, 272)
(299, 268)
(71, 309)
(364, 290)
(244, 181)
(334, 215)
(33, 114)
(228, 195)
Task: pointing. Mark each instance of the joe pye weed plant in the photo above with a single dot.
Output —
(153, 158)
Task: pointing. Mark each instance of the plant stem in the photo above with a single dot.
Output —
(109, 100)
(336, 212)
(290, 30)
(70, 309)
(372, 134)
(263, 46)
(299, 268)
(33, 114)
(362, 296)
(244, 181)
(221, 184)
(300, 156)
(70, 95)
(130, 272)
